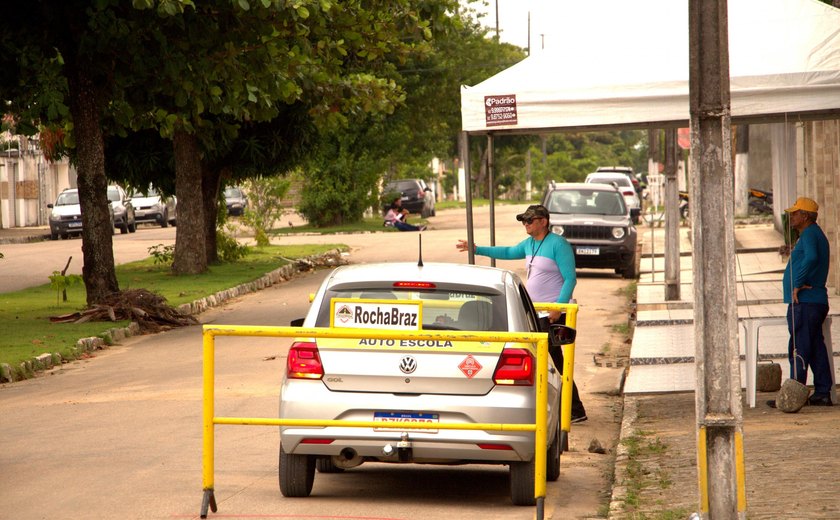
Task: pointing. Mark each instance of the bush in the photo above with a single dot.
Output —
(264, 196)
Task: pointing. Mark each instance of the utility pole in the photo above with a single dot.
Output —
(720, 434)
(529, 33)
(497, 21)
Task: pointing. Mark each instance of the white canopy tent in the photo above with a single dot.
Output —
(617, 63)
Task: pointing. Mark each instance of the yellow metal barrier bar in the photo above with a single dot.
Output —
(539, 427)
(568, 361)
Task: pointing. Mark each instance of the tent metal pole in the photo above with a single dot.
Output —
(491, 192)
(464, 145)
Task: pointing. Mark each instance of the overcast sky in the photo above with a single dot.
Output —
(513, 20)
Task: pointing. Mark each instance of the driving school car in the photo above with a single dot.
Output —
(416, 381)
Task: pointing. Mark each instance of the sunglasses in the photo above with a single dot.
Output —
(530, 220)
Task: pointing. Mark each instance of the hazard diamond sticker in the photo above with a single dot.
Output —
(470, 366)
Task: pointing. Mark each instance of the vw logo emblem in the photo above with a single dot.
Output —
(408, 365)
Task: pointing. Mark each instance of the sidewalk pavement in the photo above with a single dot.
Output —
(20, 235)
(790, 472)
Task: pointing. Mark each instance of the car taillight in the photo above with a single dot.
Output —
(515, 367)
(304, 362)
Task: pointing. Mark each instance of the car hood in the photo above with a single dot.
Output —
(604, 220)
(67, 210)
(145, 201)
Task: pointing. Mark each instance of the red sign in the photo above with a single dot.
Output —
(500, 110)
(470, 366)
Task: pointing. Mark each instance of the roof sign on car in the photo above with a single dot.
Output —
(376, 314)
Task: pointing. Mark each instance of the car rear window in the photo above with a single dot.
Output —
(587, 202)
(453, 309)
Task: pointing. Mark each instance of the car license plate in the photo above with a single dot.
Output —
(408, 418)
(592, 251)
(74, 224)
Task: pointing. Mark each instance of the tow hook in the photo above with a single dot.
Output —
(404, 448)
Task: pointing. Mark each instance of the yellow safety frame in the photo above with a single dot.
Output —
(540, 426)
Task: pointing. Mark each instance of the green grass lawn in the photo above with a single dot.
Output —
(24, 315)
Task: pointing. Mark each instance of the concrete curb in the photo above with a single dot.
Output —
(619, 488)
(32, 367)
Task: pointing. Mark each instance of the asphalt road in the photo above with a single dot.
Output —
(119, 435)
(31, 264)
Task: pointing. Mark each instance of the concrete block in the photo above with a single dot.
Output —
(45, 360)
(7, 375)
(768, 377)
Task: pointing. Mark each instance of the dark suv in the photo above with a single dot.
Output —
(416, 196)
(596, 221)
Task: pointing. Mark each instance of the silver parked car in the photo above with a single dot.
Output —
(123, 209)
(416, 381)
(151, 206)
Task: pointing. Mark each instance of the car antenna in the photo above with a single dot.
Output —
(420, 252)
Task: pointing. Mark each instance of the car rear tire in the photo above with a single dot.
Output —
(296, 474)
(164, 222)
(124, 229)
(326, 465)
(552, 461)
(522, 483)
(132, 227)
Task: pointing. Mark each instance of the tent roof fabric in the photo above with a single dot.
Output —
(784, 60)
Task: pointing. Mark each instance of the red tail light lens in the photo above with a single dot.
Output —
(515, 367)
(304, 362)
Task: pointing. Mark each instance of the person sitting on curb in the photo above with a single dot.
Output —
(396, 217)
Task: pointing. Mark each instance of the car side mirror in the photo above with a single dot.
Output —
(50, 206)
(297, 322)
(562, 334)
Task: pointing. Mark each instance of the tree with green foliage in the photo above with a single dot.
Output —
(423, 125)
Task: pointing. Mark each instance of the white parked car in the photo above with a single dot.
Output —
(416, 381)
(622, 182)
(66, 215)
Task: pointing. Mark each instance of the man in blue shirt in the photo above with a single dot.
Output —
(550, 270)
(807, 298)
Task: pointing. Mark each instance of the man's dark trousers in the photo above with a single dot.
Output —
(808, 320)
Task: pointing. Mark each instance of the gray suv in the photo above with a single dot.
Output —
(596, 221)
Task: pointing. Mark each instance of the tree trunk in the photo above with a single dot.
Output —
(210, 181)
(98, 271)
(190, 254)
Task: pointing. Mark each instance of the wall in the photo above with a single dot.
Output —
(818, 177)
(28, 182)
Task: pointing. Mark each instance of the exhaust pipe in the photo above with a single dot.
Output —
(348, 458)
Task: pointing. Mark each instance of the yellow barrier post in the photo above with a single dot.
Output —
(208, 401)
(568, 364)
(539, 427)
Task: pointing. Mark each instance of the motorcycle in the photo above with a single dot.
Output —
(760, 202)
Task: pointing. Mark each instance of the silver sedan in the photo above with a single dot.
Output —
(416, 381)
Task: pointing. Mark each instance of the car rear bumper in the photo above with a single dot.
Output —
(65, 227)
(312, 400)
(150, 216)
(608, 257)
